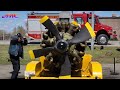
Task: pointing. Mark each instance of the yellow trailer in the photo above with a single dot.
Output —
(90, 69)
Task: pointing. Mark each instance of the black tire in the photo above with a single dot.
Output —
(99, 41)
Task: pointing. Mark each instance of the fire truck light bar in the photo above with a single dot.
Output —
(37, 17)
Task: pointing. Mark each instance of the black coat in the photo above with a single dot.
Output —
(14, 43)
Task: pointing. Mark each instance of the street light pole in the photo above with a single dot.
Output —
(15, 30)
(92, 40)
(3, 35)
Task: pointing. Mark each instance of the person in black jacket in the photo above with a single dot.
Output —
(15, 52)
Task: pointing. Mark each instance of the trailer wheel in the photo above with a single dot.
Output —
(102, 39)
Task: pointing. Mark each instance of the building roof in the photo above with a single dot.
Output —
(109, 17)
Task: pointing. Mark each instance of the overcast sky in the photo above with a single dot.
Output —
(8, 24)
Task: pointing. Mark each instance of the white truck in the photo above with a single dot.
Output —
(34, 28)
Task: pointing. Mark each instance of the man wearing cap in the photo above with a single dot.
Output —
(15, 52)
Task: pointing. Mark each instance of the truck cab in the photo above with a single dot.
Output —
(103, 32)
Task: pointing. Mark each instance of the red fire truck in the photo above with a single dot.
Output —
(35, 29)
(103, 32)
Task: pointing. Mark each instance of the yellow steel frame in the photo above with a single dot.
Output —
(89, 70)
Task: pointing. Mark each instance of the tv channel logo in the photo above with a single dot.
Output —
(10, 16)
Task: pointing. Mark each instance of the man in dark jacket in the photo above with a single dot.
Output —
(15, 52)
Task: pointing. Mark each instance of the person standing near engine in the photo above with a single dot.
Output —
(15, 52)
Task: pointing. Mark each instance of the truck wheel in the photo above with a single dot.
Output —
(102, 39)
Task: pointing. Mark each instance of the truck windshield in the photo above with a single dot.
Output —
(80, 20)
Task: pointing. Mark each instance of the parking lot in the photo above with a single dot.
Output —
(5, 71)
(110, 43)
(107, 68)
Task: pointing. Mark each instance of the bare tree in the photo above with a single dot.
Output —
(14, 31)
(19, 29)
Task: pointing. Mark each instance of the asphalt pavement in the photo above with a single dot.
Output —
(108, 71)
